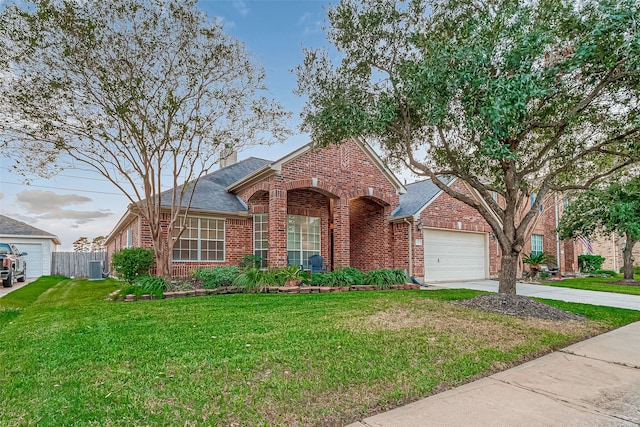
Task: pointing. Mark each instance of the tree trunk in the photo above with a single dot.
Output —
(508, 273)
(627, 257)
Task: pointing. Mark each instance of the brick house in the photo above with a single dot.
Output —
(341, 202)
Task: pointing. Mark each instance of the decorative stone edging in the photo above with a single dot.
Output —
(270, 289)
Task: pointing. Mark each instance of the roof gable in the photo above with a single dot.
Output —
(276, 167)
(418, 196)
(12, 227)
(211, 190)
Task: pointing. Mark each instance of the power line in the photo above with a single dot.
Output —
(61, 188)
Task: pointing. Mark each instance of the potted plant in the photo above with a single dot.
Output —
(535, 260)
(294, 275)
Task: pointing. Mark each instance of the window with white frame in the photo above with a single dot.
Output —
(129, 238)
(261, 237)
(202, 240)
(303, 239)
(536, 244)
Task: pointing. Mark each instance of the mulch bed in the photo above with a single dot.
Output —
(518, 305)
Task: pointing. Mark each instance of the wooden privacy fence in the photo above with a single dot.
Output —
(75, 264)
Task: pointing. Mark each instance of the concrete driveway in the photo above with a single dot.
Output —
(16, 285)
(608, 299)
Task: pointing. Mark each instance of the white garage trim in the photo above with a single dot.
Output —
(455, 255)
(39, 254)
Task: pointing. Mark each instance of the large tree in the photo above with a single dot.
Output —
(614, 209)
(149, 93)
(519, 98)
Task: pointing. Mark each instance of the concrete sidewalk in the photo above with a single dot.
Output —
(608, 299)
(593, 383)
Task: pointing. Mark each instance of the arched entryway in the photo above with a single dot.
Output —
(370, 232)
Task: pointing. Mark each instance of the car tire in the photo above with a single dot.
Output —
(8, 282)
(22, 278)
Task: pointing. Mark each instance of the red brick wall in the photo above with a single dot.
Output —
(368, 228)
(544, 224)
(400, 246)
(340, 173)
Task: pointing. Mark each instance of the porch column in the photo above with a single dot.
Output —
(277, 227)
(341, 234)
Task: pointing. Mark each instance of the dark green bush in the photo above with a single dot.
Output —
(589, 263)
(609, 273)
(251, 279)
(348, 276)
(320, 279)
(151, 285)
(400, 276)
(382, 278)
(217, 276)
(131, 263)
(636, 270)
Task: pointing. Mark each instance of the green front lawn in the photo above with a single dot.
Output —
(596, 284)
(69, 357)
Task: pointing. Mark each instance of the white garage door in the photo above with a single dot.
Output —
(454, 255)
(34, 258)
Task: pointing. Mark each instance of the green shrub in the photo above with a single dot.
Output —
(151, 283)
(293, 273)
(589, 263)
(382, 278)
(636, 270)
(274, 277)
(250, 261)
(609, 273)
(320, 279)
(347, 276)
(217, 276)
(538, 258)
(131, 263)
(251, 279)
(400, 276)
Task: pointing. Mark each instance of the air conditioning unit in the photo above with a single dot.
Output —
(95, 270)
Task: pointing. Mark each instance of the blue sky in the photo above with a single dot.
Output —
(80, 203)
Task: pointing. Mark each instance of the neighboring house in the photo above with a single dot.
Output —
(543, 236)
(610, 247)
(340, 202)
(38, 244)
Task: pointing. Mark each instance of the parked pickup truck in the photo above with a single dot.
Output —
(13, 266)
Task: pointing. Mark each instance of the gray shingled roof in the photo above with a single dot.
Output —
(417, 196)
(211, 193)
(12, 227)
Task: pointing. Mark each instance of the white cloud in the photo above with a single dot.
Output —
(305, 16)
(309, 25)
(220, 20)
(241, 7)
(49, 205)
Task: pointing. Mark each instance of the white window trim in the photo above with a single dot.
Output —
(199, 240)
(533, 248)
(265, 259)
(301, 250)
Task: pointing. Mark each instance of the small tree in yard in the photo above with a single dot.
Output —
(519, 99)
(137, 90)
(614, 209)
